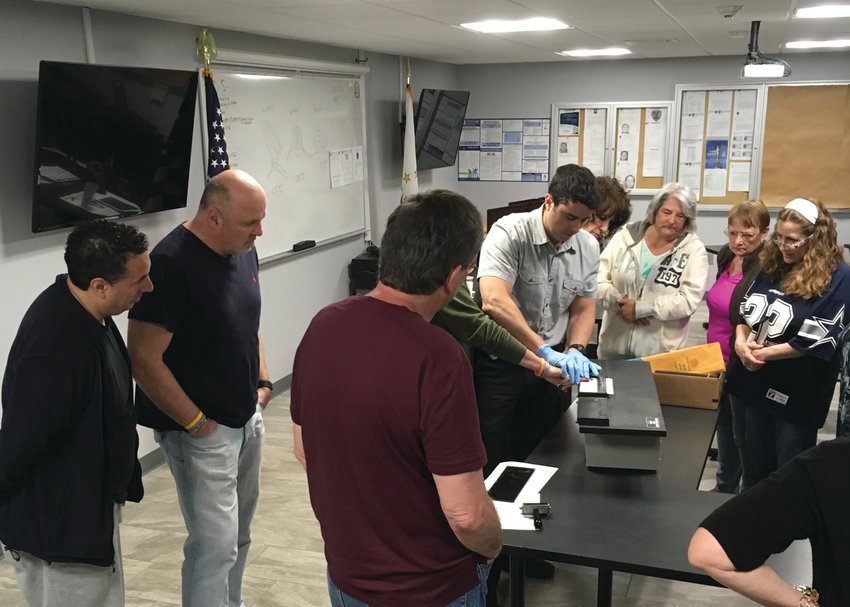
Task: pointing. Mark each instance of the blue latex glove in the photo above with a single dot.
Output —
(578, 365)
(552, 356)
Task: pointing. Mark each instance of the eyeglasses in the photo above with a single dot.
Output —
(471, 268)
(745, 236)
(788, 243)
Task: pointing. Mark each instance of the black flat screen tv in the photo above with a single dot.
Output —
(111, 142)
(439, 123)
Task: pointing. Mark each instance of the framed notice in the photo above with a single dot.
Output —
(504, 149)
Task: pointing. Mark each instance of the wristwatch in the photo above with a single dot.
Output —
(264, 383)
(579, 347)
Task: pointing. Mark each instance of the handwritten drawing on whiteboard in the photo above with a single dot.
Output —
(301, 136)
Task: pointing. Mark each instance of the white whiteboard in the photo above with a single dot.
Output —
(282, 126)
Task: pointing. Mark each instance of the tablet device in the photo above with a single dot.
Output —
(510, 483)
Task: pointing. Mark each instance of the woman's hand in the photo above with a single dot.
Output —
(626, 311)
(750, 355)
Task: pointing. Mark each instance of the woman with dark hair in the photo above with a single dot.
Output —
(614, 210)
(737, 266)
(792, 317)
(652, 278)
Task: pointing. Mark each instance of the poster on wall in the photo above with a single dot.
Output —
(504, 150)
(654, 141)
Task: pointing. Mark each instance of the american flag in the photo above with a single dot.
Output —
(217, 160)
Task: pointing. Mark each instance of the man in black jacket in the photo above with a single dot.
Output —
(68, 437)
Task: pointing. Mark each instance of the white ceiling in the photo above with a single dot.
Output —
(428, 29)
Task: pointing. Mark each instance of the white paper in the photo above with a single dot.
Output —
(470, 135)
(593, 143)
(739, 177)
(591, 385)
(511, 160)
(535, 146)
(491, 166)
(491, 134)
(719, 114)
(531, 165)
(512, 125)
(567, 150)
(689, 174)
(654, 141)
(691, 151)
(533, 127)
(693, 102)
(692, 126)
(341, 167)
(714, 183)
(510, 513)
(628, 132)
(744, 118)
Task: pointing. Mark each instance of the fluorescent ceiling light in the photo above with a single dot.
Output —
(818, 44)
(503, 26)
(826, 11)
(596, 52)
(763, 70)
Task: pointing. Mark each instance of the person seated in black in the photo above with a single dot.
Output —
(808, 498)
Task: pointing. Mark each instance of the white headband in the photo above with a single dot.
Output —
(804, 207)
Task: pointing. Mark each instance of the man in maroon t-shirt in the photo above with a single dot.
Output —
(390, 441)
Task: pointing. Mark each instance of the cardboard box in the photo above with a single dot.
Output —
(688, 390)
(691, 377)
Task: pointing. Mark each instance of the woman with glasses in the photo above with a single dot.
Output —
(737, 266)
(651, 278)
(792, 316)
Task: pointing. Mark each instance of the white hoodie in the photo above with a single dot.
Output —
(667, 297)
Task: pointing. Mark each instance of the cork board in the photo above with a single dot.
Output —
(641, 182)
(711, 123)
(807, 145)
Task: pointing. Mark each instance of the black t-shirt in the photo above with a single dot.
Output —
(211, 305)
(120, 416)
(809, 497)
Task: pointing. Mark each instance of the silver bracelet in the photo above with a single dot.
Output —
(197, 427)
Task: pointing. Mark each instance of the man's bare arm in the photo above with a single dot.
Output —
(146, 343)
(470, 512)
(264, 395)
(582, 320)
(497, 303)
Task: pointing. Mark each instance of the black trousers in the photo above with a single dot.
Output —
(515, 408)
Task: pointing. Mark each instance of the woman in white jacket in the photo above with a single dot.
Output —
(652, 276)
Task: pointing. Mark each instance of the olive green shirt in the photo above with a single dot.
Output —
(465, 321)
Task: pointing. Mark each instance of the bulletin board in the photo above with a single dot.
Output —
(641, 144)
(504, 149)
(807, 144)
(629, 141)
(580, 136)
(717, 135)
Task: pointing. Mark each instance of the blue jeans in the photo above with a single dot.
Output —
(477, 597)
(770, 442)
(218, 484)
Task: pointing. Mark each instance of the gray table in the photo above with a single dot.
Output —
(634, 522)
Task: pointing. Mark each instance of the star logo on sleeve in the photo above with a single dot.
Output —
(823, 330)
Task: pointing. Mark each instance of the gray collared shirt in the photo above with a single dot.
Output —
(545, 278)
